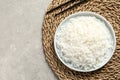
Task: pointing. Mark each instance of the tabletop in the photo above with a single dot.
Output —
(21, 52)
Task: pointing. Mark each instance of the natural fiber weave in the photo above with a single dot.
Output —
(110, 9)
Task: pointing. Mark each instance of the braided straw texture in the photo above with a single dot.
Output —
(110, 9)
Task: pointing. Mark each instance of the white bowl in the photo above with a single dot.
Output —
(86, 13)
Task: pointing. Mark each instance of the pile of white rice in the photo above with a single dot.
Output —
(84, 42)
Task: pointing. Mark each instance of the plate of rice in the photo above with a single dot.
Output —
(84, 41)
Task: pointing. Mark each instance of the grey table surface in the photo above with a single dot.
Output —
(21, 52)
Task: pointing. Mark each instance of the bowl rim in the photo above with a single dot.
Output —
(87, 13)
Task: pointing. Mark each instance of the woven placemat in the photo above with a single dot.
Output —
(110, 9)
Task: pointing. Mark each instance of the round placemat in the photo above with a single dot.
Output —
(110, 9)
